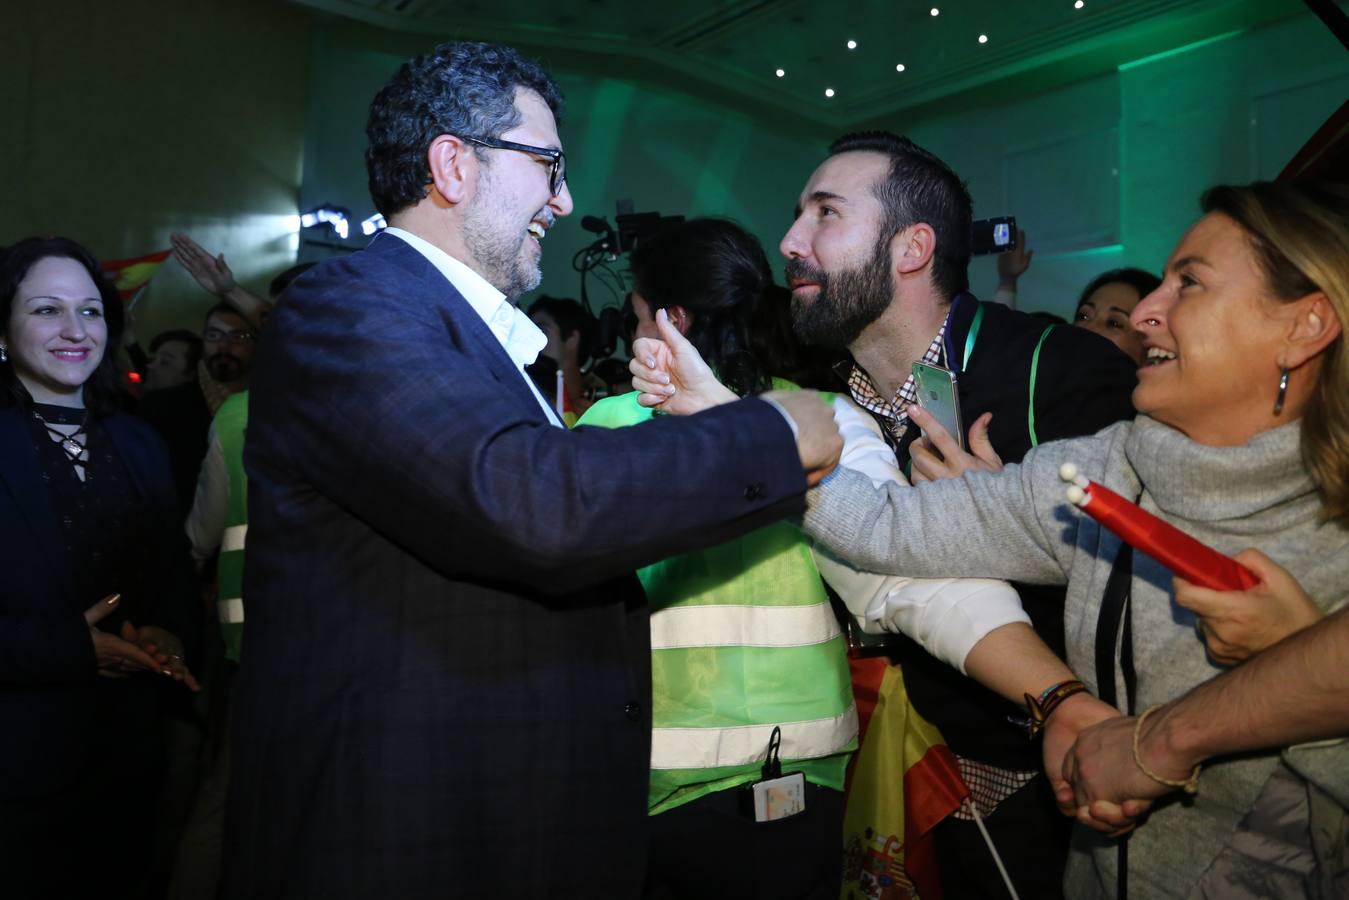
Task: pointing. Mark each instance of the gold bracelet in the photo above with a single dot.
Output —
(1189, 785)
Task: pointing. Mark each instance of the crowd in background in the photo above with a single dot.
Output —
(1213, 393)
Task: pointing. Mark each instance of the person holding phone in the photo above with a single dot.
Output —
(1239, 442)
(877, 261)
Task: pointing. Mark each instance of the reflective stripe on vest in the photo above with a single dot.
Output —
(706, 748)
(234, 538)
(742, 626)
(231, 611)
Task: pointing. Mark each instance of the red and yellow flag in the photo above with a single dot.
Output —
(904, 781)
(130, 275)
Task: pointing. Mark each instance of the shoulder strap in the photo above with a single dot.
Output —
(1034, 373)
(1116, 613)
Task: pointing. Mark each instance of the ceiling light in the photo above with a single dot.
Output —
(829, 92)
(327, 214)
(852, 45)
(983, 39)
(899, 68)
(1079, 4)
(780, 72)
(374, 223)
(935, 11)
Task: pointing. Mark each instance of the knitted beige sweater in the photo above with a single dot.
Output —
(1017, 525)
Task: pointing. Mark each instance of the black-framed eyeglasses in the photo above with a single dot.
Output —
(557, 170)
(236, 337)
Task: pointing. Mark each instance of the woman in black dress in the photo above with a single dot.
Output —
(96, 588)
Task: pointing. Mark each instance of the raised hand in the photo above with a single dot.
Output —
(211, 272)
(1236, 625)
(671, 376)
(936, 455)
(1014, 263)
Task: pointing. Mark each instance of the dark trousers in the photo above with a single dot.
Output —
(1031, 836)
(711, 848)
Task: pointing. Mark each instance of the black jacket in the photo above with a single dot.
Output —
(1082, 384)
(445, 682)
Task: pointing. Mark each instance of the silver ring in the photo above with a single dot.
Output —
(1152, 322)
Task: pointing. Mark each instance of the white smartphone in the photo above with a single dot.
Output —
(937, 393)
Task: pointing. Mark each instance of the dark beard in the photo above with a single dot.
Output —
(845, 303)
(224, 367)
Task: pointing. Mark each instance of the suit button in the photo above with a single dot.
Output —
(754, 490)
(633, 711)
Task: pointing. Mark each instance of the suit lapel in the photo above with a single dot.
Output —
(479, 343)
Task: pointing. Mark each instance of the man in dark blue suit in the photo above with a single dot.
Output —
(444, 687)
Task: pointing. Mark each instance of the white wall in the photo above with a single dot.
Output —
(1108, 172)
(124, 122)
(665, 151)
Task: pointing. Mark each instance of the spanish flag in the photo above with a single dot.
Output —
(130, 275)
(904, 781)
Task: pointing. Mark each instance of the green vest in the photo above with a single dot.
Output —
(229, 426)
(743, 639)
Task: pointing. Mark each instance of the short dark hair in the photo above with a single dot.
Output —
(570, 317)
(282, 281)
(718, 272)
(182, 336)
(921, 188)
(224, 309)
(1140, 280)
(104, 393)
(462, 88)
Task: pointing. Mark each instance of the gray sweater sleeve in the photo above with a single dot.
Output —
(1014, 524)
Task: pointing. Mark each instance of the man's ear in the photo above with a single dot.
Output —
(454, 168)
(1313, 326)
(912, 248)
(680, 318)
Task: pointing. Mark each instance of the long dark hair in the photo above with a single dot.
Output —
(719, 273)
(103, 393)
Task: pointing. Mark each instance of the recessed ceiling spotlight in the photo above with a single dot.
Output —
(780, 72)
(1079, 4)
(935, 11)
(829, 92)
(899, 68)
(852, 45)
(983, 39)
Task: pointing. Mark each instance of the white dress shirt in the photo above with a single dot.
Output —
(947, 616)
(519, 336)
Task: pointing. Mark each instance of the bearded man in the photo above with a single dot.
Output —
(877, 261)
(445, 683)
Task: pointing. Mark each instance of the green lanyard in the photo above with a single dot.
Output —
(1035, 370)
(1034, 367)
(969, 338)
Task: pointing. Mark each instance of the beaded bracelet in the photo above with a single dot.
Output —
(1189, 785)
(1039, 710)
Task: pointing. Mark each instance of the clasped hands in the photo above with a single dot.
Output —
(671, 376)
(145, 649)
(1100, 781)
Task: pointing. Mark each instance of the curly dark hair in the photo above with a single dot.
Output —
(921, 188)
(462, 88)
(719, 273)
(103, 392)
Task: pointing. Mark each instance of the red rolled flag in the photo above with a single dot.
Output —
(1196, 562)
